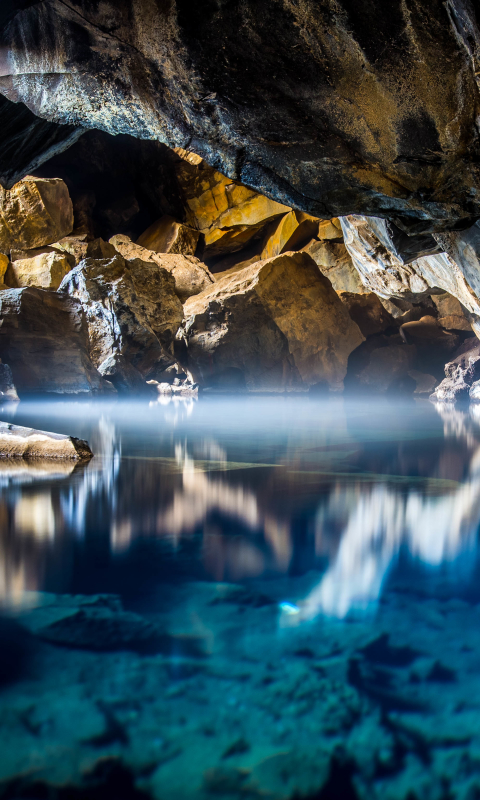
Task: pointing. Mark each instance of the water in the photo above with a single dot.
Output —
(243, 598)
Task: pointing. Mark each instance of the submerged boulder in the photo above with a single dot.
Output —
(35, 212)
(191, 275)
(132, 311)
(275, 325)
(44, 338)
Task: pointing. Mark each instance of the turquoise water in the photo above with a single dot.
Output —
(243, 598)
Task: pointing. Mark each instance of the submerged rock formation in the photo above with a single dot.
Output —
(344, 109)
(276, 325)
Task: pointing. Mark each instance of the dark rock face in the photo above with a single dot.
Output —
(460, 374)
(44, 336)
(331, 108)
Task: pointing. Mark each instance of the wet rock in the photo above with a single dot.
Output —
(425, 383)
(131, 309)
(460, 374)
(367, 312)
(191, 275)
(44, 338)
(8, 390)
(44, 269)
(19, 442)
(276, 325)
(168, 236)
(35, 212)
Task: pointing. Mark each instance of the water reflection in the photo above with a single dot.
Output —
(240, 491)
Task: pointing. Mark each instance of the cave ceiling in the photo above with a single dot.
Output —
(331, 107)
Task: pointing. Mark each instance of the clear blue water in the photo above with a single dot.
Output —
(261, 597)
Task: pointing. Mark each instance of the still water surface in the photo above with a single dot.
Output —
(243, 598)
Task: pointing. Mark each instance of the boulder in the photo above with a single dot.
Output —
(424, 383)
(19, 442)
(168, 236)
(276, 325)
(334, 261)
(44, 268)
(367, 312)
(460, 374)
(191, 275)
(35, 212)
(44, 338)
(4, 264)
(76, 245)
(131, 309)
(387, 367)
(451, 314)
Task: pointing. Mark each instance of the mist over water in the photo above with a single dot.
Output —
(243, 597)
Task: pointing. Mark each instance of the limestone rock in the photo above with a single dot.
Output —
(425, 383)
(367, 312)
(19, 442)
(4, 262)
(460, 374)
(131, 308)
(330, 230)
(45, 269)
(122, 374)
(276, 325)
(8, 390)
(168, 236)
(44, 338)
(100, 249)
(387, 367)
(35, 212)
(76, 245)
(191, 275)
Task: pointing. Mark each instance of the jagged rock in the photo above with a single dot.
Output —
(276, 325)
(100, 249)
(132, 310)
(324, 116)
(228, 214)
(367, 312)
(191, 275)
(19, 442)
(389, 276)
(44, 338)
(168, 236)
(289, 233)
(35, 212)
(76, 245)
(460, 374)
(44, 268)
(451, 314)
(123, 375)
(334, 261)
(8, 390)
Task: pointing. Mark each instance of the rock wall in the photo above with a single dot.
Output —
(329, 108)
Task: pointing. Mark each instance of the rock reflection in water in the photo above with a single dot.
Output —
(249, 498)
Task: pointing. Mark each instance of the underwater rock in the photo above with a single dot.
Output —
(19, 442)
(35, 212)
(131, 309)
(276, 325)
(191, 275)
(460, 374)
(44, 339)
(169, 236)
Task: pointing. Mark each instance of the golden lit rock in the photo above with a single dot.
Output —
(168, 236)
(35, 212)
(46, 270)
